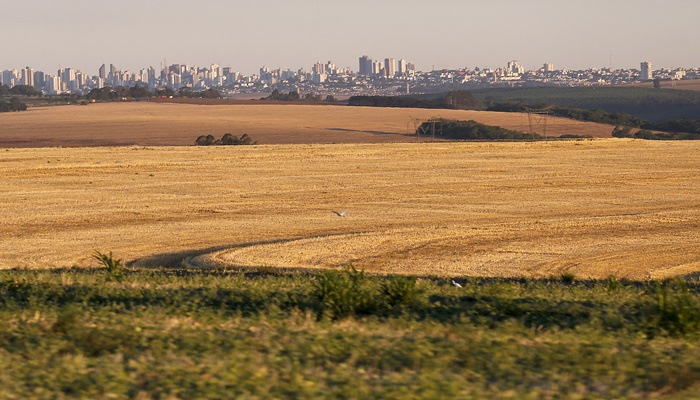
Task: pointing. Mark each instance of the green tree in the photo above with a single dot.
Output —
(167, 92)
(139, 92)
(185, 91)
(657, 83)
(23, 90)
(460, 99)
(13, 105)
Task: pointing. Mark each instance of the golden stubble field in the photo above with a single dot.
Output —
(167, 124)
(592, 207)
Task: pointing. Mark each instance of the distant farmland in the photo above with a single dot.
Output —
(144, 123)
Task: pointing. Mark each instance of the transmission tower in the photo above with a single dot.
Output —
(431, 127)
(415, 123)
(538, 116)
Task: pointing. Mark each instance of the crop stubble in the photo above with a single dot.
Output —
(593, 208)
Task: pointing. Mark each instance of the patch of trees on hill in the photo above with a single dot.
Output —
(454, 100)
(293, 95)
(226, 140)
(19, 90)
(674, 130)
(680, 129)
(654, 105)
(117, 93)
(596, 115)
(472, 130)
(13, 105)
(204, 94)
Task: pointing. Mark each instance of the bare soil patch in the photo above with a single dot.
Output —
(592, 208)
(168, 124)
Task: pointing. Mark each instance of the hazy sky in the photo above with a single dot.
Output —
(132, 34)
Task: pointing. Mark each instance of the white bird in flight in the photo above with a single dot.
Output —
(341, 214)
(455, 284)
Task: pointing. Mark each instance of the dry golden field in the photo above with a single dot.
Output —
(167, 124)
(590, 207)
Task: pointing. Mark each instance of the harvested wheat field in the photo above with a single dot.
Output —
(167, 124)
(590, 207)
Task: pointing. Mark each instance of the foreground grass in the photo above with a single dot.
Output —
(214, 334)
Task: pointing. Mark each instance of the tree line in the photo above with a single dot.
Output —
(293, 95)
(226, 140)
(19, 90)
(116, 93)
(685, 128)
(13, 105)
(454, 100)
(472, 130)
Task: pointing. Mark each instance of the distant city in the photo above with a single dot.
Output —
(373, 77)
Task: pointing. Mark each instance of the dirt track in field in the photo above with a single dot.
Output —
(167, 124)
(593, 207)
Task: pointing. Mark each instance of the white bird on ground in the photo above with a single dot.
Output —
(341, 214)
(455, 284)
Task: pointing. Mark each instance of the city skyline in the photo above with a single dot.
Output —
(449, 34)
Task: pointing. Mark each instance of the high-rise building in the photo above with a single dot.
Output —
(102, 74)
(365, 65)
(39, 80)
(318, 69)
(330, 68)
(389, 67)
(151, 76)
(515, 68)
(5, 78)
(27, 76)
(646, 73)
(67, 75)
(402, 67)
(377, 68)
(8, 77)
(548, 67)
(52, 84)
(143, 76)
(215, 71)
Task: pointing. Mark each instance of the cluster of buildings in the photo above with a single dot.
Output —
(389, 68)
(380, 77)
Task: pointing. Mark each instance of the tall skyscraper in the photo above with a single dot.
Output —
(365, 65)
(39, 80)
(67, 75)
(215, 71)
(389, 67)
(318, 69)
(27, 76)
(52, 84)
(8, 78)
(402, 67)
(646, 71)
(377, 68)
(102, 74)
